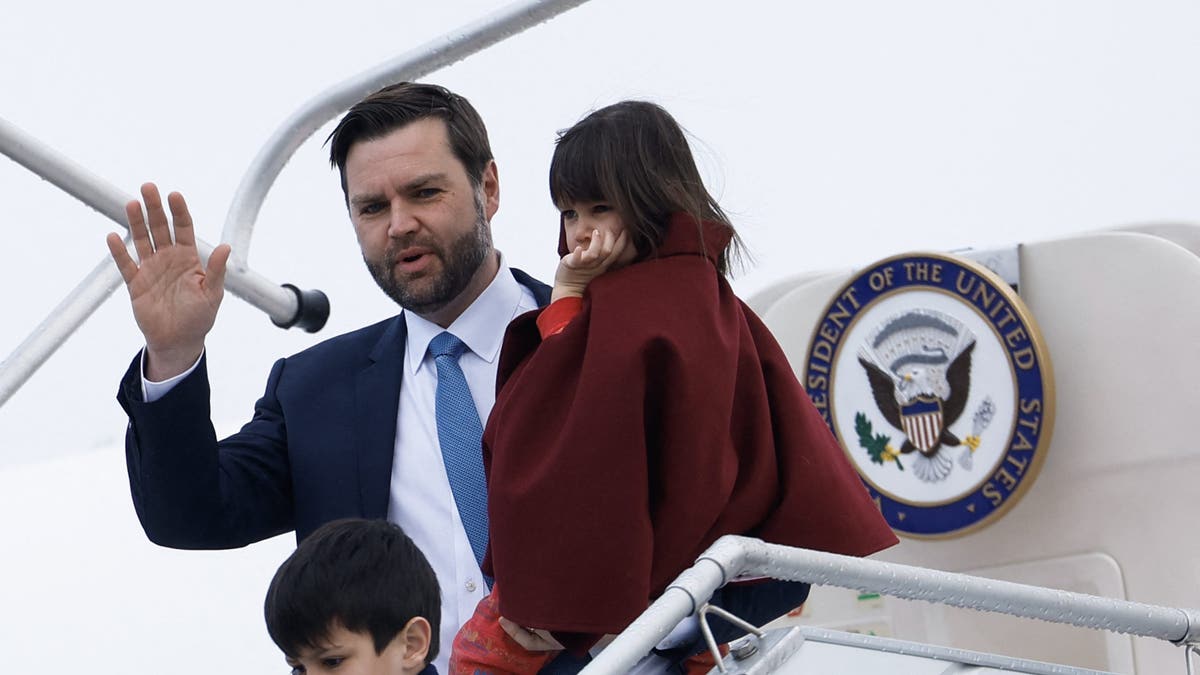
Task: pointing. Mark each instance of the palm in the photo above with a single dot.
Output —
(175, 299)
(172, 297)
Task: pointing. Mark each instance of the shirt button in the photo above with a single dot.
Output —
(470, 586)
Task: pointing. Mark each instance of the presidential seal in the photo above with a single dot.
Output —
(934, 378)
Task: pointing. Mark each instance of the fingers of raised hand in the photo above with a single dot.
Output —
(184, 234)
(160, 230)
(125, 263)
(137, 228)
(151, 229)
(216, 266)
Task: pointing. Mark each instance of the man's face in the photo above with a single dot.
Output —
(422, 226)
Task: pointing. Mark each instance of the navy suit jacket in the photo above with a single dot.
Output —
(319, 447)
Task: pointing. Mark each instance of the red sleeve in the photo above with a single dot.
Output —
(483, 646)
(555, 318)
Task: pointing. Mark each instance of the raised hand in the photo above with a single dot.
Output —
(577, 268)
(175, 299)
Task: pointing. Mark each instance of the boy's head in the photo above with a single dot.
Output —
(358, 596)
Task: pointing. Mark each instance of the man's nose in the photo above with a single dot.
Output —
(401, 222)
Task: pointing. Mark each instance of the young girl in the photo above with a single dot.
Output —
(646, 412)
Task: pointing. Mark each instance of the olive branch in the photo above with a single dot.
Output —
(875, 444)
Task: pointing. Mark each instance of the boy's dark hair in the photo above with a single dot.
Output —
(635, 156)
(365, 575)
(398, 105)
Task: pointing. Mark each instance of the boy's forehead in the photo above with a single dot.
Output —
(336, 636)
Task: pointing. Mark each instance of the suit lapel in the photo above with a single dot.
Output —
(541, 292)
(377, 398)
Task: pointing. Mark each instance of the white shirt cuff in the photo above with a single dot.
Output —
(152, 391)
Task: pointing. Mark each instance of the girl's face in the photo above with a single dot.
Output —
(581, 219)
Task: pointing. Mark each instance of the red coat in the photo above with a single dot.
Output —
(662, 417)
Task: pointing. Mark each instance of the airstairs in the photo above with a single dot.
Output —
(800, 649)
(787, 647)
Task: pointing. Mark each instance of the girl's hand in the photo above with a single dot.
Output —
(577, 268)
(530, 638)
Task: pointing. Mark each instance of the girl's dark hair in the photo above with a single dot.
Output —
(634, 156)
(366, 576)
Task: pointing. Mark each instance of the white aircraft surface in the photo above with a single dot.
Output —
(835, 134)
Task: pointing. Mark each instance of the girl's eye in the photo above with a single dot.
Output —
(570, 214)
(332, 662)
(601, 208)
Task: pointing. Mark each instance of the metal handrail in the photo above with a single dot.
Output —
(62, 321)
(732, 557)
(280, 303)
(106, 198)
(443, 51)
(284, 304)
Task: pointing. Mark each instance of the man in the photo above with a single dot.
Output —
(357, 425)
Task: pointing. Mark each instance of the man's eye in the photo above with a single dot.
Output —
(370, 209)
(428, 193)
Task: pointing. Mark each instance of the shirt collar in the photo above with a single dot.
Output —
(481, 327)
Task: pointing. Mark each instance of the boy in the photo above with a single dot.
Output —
(356, 597)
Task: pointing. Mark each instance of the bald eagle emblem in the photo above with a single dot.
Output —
(918, 364)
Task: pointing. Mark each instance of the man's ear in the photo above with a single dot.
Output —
(491, 189)
(415, 637)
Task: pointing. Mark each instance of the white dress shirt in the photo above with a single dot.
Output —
(421, 502)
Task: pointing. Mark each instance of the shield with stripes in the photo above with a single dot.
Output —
(922, 422)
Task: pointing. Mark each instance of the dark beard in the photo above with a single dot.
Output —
(461, 259)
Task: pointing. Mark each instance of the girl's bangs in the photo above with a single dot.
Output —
(574, 172)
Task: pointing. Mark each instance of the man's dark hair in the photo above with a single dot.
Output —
(366, 576)
(398, 105)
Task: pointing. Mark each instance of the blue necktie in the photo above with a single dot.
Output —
(460, 434)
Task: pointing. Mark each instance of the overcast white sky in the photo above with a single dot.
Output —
(835, 133)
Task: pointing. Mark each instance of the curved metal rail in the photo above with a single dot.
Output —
(435, 54)
(731, 557)
(285, 304)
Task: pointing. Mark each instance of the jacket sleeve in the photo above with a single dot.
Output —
(191, 491)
